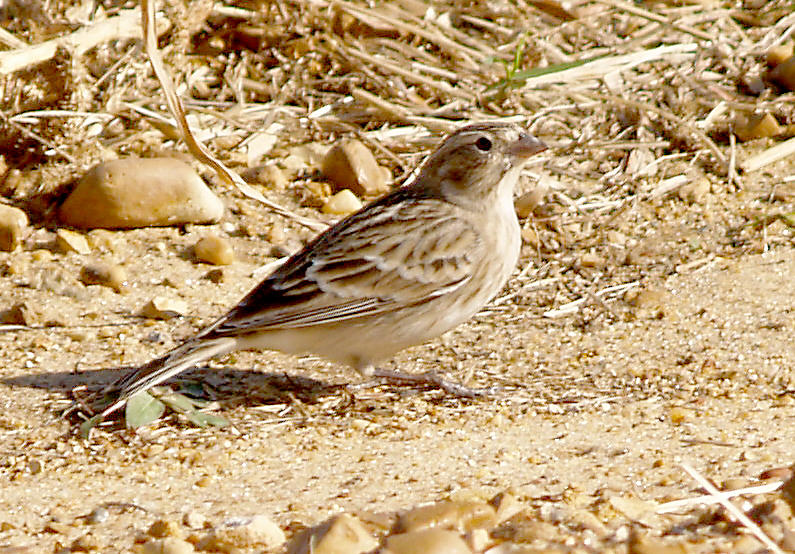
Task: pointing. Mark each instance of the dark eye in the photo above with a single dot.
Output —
(483, 144)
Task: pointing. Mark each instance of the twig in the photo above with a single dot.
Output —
(640, 12)
(381, 62)
(462, 52)
(195, 147)
(11, 40)
(769, 156)
(708, 142)
(734, 510)
(709, 499)
(125, 25)
(574, 306)
(35, 136)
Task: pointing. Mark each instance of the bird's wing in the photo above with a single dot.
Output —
(390, 256)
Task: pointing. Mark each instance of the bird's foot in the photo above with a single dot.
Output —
(434, 379)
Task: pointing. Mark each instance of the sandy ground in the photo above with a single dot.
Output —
(602, 404)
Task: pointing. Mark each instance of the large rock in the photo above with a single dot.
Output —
(140, 193)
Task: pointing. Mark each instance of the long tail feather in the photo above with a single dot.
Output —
(161, 369)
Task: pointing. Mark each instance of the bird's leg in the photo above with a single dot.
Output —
(431, 378)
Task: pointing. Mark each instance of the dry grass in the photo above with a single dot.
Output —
(640, 103)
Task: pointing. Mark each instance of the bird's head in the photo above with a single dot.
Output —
(479, 162)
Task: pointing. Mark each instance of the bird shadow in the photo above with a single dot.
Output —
(231, 387)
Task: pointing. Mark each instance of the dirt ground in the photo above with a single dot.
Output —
(648, 328)
(587, 411)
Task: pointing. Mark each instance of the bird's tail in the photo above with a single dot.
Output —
(172, 363)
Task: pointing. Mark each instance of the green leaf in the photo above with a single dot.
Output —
(142, 409)
(518, 78)
(203, 419)
(788, 219)
(179, 402)
(187, 407)
(87, 425)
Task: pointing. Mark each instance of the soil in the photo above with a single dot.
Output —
(647, 330)
(586, 409)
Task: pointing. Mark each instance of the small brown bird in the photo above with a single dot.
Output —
(403, 270)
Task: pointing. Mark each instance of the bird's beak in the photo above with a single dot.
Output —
(526, 146)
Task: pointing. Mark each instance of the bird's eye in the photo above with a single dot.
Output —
(483, 144)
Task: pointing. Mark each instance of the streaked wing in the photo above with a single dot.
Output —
(392, 255)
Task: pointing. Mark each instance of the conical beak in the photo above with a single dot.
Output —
(526, 146)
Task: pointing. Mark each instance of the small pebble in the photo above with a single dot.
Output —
(633, 508)
(779, 53)
(13, 227)
(269, 176)
(529, 201)
(164, 528)
(85, 543)
(695, 192)
(58, 528)
(35, 467)
(759, 125)
(506, 506)
(215, 275)
(99, 514)
(340, 534)
(259, 531)
(680, 415)
(162, 307)
(23, 313)
(530, 237)
(784, 74)
(350, 165)
(70, 241)
(276, 234)
(593, 260)
(168, 545)
(194, 520)
(477, 539)
(214, 250)
(342, 203)
(108, 275)
(463, 515)
(427, 541)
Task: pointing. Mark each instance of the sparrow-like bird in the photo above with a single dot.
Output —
(402, 270)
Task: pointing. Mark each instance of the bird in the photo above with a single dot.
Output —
(403, 270)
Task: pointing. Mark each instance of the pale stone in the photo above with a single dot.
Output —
(463, 515)
(162, 307)
(342, 203)
(13, 226)
(342, 534)
(162, 528)
(258, 530)
(696, 191)
(169, 545)
(427, 541)
(135, 192)
(214, 250)
(108, 275)
(350, 165)
(70, 241)
(529, 201)
(784, 73)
